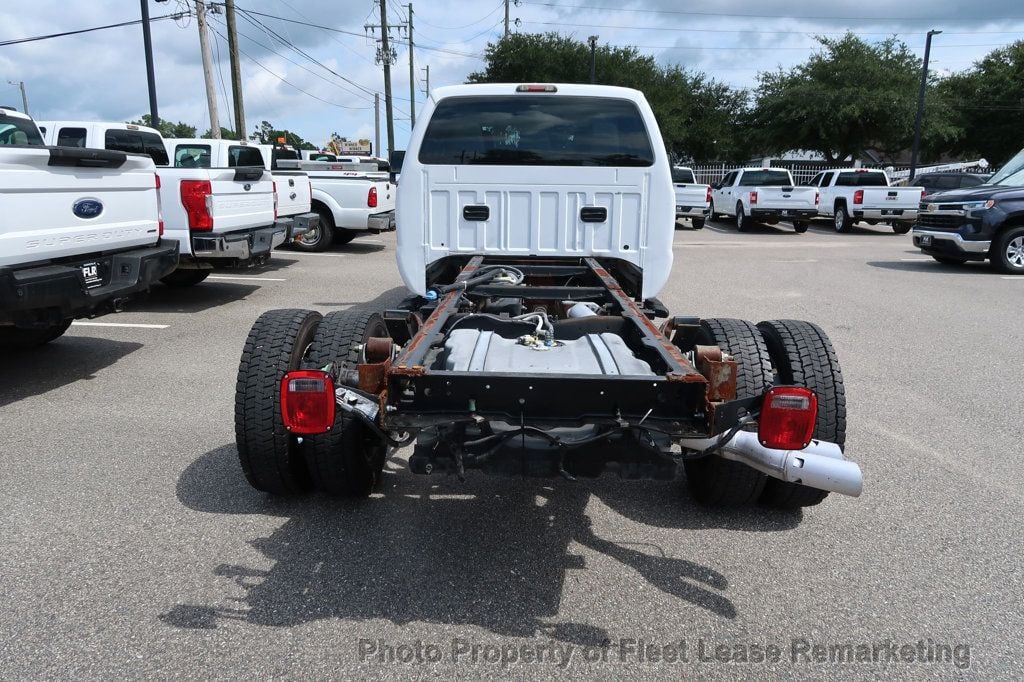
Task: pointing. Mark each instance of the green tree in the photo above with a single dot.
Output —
(849, 97)
(266, 133)
(693, 111)
(987, 102)
(166, 128)
(225, 134)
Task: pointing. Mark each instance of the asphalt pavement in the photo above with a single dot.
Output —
(131, 545)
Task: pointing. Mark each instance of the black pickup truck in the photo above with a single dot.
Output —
(984, 222)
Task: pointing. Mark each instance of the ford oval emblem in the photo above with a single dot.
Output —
(87, 208)
(247, 187)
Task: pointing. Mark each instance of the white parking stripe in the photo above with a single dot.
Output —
(78, 323)
(307, 253)
(761, 244)
(254, 279)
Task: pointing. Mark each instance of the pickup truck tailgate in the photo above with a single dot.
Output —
(891, 197)
(63, 210)
(242, 203)
(691, 195)
(785, 197)
(294, 193)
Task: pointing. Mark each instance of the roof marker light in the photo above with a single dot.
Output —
(536, 88)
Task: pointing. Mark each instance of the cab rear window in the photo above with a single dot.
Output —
(766, 178)
(536, 130)
(192, 156)
(137, 142)
(683, 176)
(861, 179)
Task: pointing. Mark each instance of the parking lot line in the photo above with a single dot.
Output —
(307, 253)
(78, 323)
(244, 277)
(761, 244)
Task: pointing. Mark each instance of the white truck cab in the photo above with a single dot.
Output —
(536, 170)
(122, 137)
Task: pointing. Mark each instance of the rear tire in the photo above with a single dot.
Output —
(802, 355)
(741, 220)
(271, 458)
(347, 461)
(321, 237)
(800, 226)
(698, 223)
(180, 279)
(902, 228)
(712, 214)
(16, 338)
(842, 219)
(713, 480)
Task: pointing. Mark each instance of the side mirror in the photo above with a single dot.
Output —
(395, 160)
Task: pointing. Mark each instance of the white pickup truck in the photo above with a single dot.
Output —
(79, 233)
(766, 194)
(220, 217)
(852, 194)
(292, 188)
(349, 198)
(692, 198)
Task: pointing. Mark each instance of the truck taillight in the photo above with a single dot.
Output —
(858, 197)
(159, 208)
(707, 194)
(787, 418)
(753, 198)
(817, 198)
(195, 196)
(275, 200)
(307, 402)
(924, 193)
(371, 198)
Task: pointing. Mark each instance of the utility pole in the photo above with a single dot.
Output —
(236, 69)
(204, 47)
(506, 18)
(386, 57)
(24, 97)
(920, 104)
(412, 75)
(426, 89)
(593, 58)
(376, 123)
(147, 42)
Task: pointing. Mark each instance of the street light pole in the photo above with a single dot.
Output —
(915, 150)
(147, 41)
(593, 58)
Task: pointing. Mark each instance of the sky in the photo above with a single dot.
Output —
(309, 65)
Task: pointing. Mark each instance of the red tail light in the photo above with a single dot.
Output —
(787, 418)
(707, 197)
(753, 198)
(159, 208)
(923, 194)
(858, 197)
(307, 402)
(371, 198)
(195, 195)
(275, 200)
(817, 198)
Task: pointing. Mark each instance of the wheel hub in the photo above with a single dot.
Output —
(1015, 252)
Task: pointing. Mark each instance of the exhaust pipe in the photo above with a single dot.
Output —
(820, 465)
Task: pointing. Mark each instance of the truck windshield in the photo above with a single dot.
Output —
(766, 178)
(861, 179)
(683, 176)
(536, 130)
(19, 131)
(1012, 174)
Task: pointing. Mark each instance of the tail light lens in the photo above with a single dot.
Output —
(371, 198)
(858, 197)
(817, 198)
(195, 197)
(753, 198)
(787, 418)
(923, 194)
(275, 200)
(707, 196)
(159, 208)
(307, 402)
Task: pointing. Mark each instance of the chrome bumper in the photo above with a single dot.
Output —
(907, 215)
(967, 246)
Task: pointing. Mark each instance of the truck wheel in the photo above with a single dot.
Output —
(800, 226)
(950, 260)
(713, 480)
(712, 214)
(802, 355)
(741, 220)
(698, 223)
(347, 460)
(185, 278)
(1008, 251)
(320, 237)
(16, 338)
(901, 227)
(842, 218)
(271, 457)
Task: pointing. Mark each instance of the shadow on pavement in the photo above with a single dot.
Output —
(976, 269)
(205, 295)
(387, 299)
(491, 552)
(59, 363)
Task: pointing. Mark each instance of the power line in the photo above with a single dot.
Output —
(17, 41)
(472, 23)
(930, 19)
